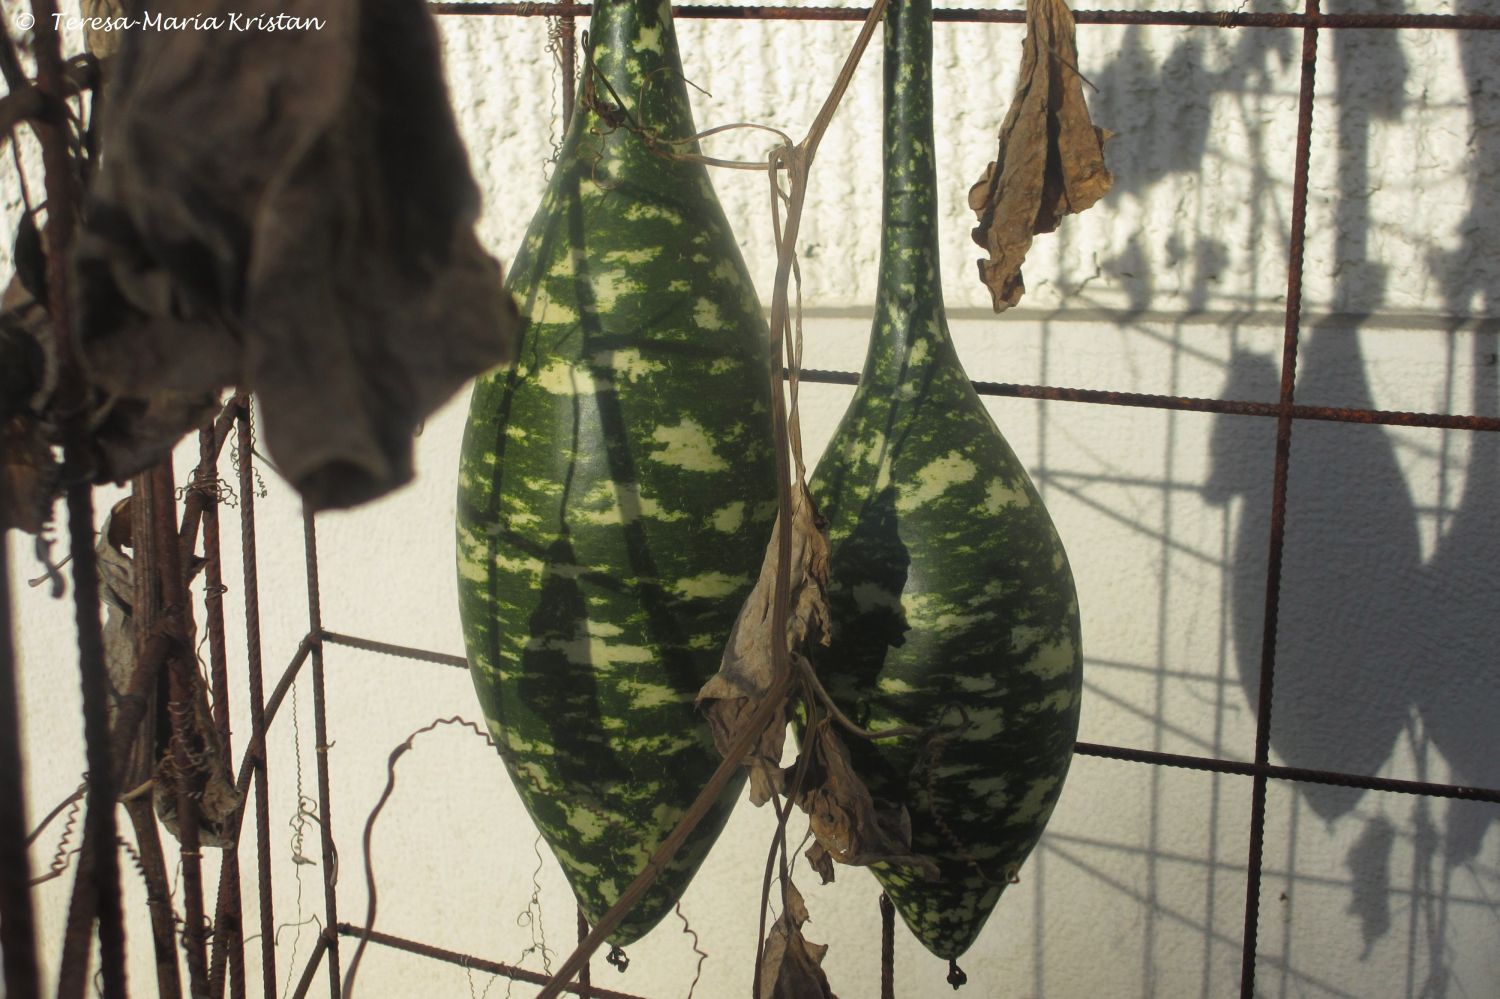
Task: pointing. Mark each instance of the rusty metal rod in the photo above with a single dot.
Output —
(182, 683)
(258, 722)
(1280, 472)
(308, 973)
(469, 961)
(1206, 763)
(1334, 414)
(320, 728)
(402, 651)
(228, 934)
(569, 29)
(1304, 775)
(887, 947)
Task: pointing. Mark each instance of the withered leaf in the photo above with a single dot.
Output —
(323, 256)
(1051, 159)
(150, 755)
(848, 824)
(790, 966)
(747, 671)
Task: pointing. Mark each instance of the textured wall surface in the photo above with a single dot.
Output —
(1174, 284)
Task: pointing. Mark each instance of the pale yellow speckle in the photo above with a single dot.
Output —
(896, 685)
(525, 564)
(1051, 660)
(726, 272)
(587, 824)
(997, 497)
(546, 312)
(677, 285)
(471, 569)
(628, 364)
(649, 40)
(640, 211)
(706, 315)
(688, 446)
(610, 286)
(936, 478)
(729, 518)
(639, 256)
(651, 695)
(1031, 807)
(558, 377)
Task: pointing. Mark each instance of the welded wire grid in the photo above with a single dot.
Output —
(203, 499)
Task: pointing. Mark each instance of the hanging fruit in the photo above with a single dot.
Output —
(952, 603)
(617, 482)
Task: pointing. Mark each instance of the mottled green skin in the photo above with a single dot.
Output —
(617, 487)
(951, 594)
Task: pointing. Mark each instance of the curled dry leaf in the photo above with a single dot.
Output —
(1051, 160)
(848, 825)
(150, 754)
(790, 966)
(748, 670)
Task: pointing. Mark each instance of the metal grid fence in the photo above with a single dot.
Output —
(100, 880)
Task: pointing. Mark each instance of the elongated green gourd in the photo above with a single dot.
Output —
(952, 601)
(617, 483)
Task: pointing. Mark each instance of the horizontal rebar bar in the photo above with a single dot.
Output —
(1176, 18)
(1333, 414)
(1206, 763)
(477, 963)
(402, 651)
(1299, 774)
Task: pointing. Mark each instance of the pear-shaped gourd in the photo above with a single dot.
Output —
(953, 605)
(617, 482)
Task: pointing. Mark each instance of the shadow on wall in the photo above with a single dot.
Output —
(1377, 649)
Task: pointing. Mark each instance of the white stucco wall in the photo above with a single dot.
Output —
(1174, 284)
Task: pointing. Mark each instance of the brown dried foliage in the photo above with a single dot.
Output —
(790, 966)
(1051, 159)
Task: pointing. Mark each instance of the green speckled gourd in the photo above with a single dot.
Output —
(617, 485)
(951, 596)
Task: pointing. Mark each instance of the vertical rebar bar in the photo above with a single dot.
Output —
(17, 920)
(887, 948)
(228, 913)
(585, 985)
(569, 29)
(182, 683)
(245, 442)
(1278, 501)
(97, 890)
(320, 729)
(139, 753)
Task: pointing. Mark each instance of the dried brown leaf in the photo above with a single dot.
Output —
(848, 824)
(150, 753)
(1051, 159)
(790, 966)
(748, 670)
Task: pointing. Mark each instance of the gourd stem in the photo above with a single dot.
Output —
(909, 297)
(633, 47)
